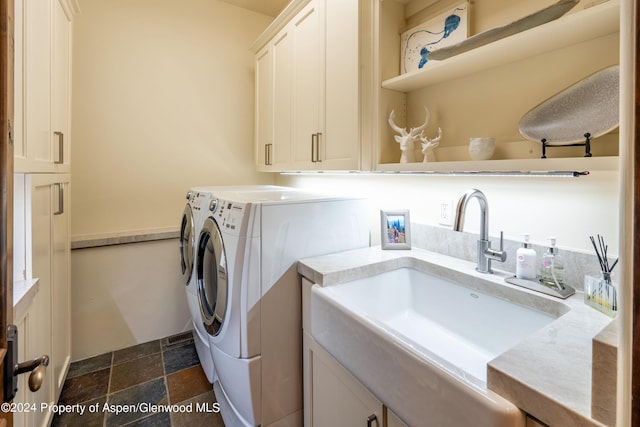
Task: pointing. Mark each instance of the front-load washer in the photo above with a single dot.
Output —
(192, 218)
(250, 292)
(195, 212)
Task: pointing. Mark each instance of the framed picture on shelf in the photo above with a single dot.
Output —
(446, 29)
(395, 229)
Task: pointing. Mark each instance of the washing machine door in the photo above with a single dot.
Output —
(187, 243)
(211, 266)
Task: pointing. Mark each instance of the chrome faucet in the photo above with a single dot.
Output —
(485, 253)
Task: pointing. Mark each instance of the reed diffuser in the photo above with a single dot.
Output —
(599, 292)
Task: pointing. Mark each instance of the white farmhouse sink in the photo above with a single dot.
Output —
(421, 344)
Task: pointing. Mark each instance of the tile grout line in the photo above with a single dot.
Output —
(166, 385)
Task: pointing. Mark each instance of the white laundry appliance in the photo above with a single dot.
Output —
(195, 212)
(250, 293)
(192, 218)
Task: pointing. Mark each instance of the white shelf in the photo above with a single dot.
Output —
(588, 24)
(579, 164)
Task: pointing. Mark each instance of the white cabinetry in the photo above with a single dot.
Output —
(308, 87)
(335, 397)
(30, 322)
(43, 38)
(49, 218)
(273, 113)
(42, 85)
(44, 328)
(332, 396)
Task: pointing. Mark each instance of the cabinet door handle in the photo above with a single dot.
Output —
(267, 154)
(371, 419)
(60, 209)
(315, 147)
(318, 159)
(60, 137)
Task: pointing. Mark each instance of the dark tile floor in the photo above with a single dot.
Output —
(158, 383)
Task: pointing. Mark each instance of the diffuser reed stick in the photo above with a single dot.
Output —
(601, 294)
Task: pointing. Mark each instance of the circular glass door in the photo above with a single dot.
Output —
(211, 266)
(187, 240)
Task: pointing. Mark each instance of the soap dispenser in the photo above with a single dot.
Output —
(526, 260)
(552, 266)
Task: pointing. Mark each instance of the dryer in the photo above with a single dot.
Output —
(250, 292)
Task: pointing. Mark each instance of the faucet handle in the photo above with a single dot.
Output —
(497, 255)
(501, 253)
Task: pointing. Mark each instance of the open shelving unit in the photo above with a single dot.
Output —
(579, 26)
(587, 24)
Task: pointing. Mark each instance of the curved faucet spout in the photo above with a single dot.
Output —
(458, 224)
(485, 253)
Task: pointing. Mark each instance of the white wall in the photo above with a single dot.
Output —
(124, 295)
(163, 99)
(163, 96)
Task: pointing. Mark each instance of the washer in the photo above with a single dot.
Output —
(192, 218)
(250, 292)
(195, 212)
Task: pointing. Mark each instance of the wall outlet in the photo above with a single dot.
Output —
(445, 216)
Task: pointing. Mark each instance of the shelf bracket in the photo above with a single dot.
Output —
(586, 144)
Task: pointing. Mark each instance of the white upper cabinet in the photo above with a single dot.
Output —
(264, 110)
(308, 87)
(308, 72)
(42, 85)
(61, 83)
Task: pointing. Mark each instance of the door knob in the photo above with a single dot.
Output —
(37, 367)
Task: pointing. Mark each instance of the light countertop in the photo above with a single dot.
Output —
(125, 237)
(23, 293)
(548, 375)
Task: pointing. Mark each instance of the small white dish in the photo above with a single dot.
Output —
(482, 148)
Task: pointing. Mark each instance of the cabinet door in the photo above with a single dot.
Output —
(340, 143)
(37, 80)
(282, 85)
(61, 87)
(60, 286)
(392, 419)
(336, 398)
(49, 195)
(23, 418)
(42, 85)
(41, 213)
(273, 103)
(308, 87)
(264, 109)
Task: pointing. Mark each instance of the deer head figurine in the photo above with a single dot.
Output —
(406, 138)
(429, 144)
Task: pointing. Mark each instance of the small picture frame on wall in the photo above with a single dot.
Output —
(395, 229)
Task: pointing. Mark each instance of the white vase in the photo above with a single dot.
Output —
(482, 148)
